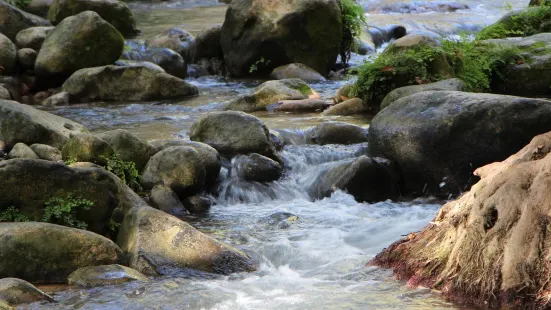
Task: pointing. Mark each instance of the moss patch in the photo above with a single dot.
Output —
(524, 23)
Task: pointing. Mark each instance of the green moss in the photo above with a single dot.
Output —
(21, 4)
(528, 22)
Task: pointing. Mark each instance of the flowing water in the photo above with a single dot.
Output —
(311, 253)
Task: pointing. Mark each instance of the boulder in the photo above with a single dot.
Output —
(27, 184)
(336, 133)
(344, 93)
(21, 150)
(33, 37)
(48, 253)
(87, 148)
(232, 133)
(258, 168)
(296, 71)
(39, 7)
(176, 39)
(438, 137)
(129, 147)
(136, 63)
(4, 94)
(157, 243)
(198, 204)
(22, 123)
(46, 152)
(272, 92)
(61, 98)
(114, 83)
(450, 84)
(104, 275)
(207, 44)
(26, 57)
(366, 178)
(169, 60)
(488, 248)
(300, 106)
(178, 167)
(73, 45)
(115, 12)
(348, 107)
(13, 20)
(17, 292)
(8, 55)
(266, 34)
(165, 199)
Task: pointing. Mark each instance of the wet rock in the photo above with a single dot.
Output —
(415, 8)
(4, 94)
(430, 135)
(33, 37)
(232, 133)
(258, 168)
(113, 83)
(26, 57)
(296, 71)
(104, 275)
(8, 55)
(17, 292)
(156, 243)
(337, 133)
(348, 107)
(198, 204)
(22, 123)
(135, 63)
(87, 148)
(169, 60)
(366, 178)
(272, 92)
(280, 220)
(115, 12)
(450, 84)
(13, 20)
(48, 253)
(361, 47)
(61, 98)
(297, 106)
(178, 167)
(46, 152)
(39, 7)
(344, 93)
(207, 44)
(501, 222)
(166, 200)
(21, 150)
(129, 147)
(176, 39)
(73, 45)
(281, 33)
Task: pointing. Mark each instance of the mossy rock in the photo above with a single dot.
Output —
(349, 107)
(115, 12)
(33, 37)
(21, 150)
(8, 55)
(129, 147)
(336, 133)
(94, 276)
(527, 22)
(450, 84)
(267, 34)
(133, 83)
(271, 92)
(87, 148)
(81, 41)
(13, 20)
(48, 253)
(17, 292)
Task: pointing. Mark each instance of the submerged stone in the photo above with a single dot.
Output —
(104, 275)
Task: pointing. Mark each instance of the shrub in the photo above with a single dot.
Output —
(352, 20)
(12, 214)
(63, 211)
(125, 170)
(519, 24)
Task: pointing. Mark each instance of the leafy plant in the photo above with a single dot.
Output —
(63, 211)
(12, 214)
(259, 64)
(521, 24)
(22, 4)
(352, 20)
(70, 161)
(125, 170)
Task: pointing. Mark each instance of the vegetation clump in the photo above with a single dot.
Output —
(352, 20)
(125, 170)
(21, 4)
(524, 23)
(12, 214)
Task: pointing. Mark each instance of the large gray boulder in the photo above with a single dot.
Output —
(129, 147)
(114, 83)
(177, 167)
(48, 253)
(115, 12)
(74, 45)
(449, 84)
(8, 55)
(232, 133)
(23, 123)
(156, 243)
(271, 92)
(87, 148)
(13, 20)
(438, 138)
(365, 178)
(17, 292)
(27, 184)
(33, 37)
(21, 150)
(258, 168)
(281, 32)
(207, 44)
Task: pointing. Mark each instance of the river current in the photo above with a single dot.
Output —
(311, 253)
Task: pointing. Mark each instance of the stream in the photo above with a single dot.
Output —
(311, 254)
